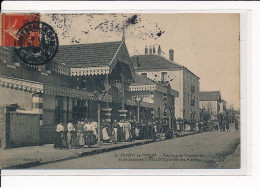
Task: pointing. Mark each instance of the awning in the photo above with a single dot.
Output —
(20, 84)
(105, 70)
(36, 87)
(142, 88)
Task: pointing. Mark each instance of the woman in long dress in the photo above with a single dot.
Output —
(80, 134)
(105, 135)
(127, 130)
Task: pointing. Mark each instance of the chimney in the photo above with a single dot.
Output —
(171, 54)
(137, 61)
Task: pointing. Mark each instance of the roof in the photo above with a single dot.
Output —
(87, 55)
(153, 62)
(147, 83)
(141, 80)
(210, 96)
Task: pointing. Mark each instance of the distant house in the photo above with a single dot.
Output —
(212, 101)
(160, 98)
(160, 69)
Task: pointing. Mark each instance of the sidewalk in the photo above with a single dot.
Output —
(24, 157)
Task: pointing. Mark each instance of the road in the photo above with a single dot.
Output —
(203, 150)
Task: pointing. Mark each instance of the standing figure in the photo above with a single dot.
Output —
(150, 130)
(146, 50)
(159, 50)
(88, 133)
(127, 130)
(71, 136)
(136, 132)
(224, 126)
(94, 126)
(227, 126)
(196, 127)
(114, 131)
(105, 135)
(63, 134)
(236, 126)
(80, 134)
(150, 50)
(59, 136)
(154, 50)
(120, 132)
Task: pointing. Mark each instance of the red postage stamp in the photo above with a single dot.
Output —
(11, 23)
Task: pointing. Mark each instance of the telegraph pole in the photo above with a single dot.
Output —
(99, 127)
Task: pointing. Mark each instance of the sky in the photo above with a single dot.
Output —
(206, 43)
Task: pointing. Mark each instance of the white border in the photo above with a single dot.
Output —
(158, 7)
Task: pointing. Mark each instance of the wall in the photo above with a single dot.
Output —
(158, 102)
(190, 80)
(175, 80)
(3, 126)
(12, 96)
(24, 129)
(48, 109)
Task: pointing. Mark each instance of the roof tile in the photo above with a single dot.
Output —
(87, 55)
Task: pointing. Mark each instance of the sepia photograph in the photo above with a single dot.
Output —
(120, 91)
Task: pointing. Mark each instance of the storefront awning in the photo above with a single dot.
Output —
(20, 84)
(36, 87)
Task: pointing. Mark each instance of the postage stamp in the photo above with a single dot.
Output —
(120, 91)
(35, 42)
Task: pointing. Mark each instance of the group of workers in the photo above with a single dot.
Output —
(85, 132)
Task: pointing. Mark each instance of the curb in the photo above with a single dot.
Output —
(86, 153)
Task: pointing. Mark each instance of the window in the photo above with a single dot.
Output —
(144, 74)
(164, 76)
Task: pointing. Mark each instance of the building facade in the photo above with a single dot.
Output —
(160, 98)
(181, 79)
(75, 82)
(212, 102)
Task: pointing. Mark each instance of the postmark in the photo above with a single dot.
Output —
(36, 43)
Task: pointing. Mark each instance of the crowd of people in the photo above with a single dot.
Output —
(223, 126)
(85, 132)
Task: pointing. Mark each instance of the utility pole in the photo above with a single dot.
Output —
(98, 98)
(138, 102)
(99, 127)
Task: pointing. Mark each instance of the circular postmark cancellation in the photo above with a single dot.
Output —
(36, 43)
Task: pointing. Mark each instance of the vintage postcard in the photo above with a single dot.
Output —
(120, 91)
